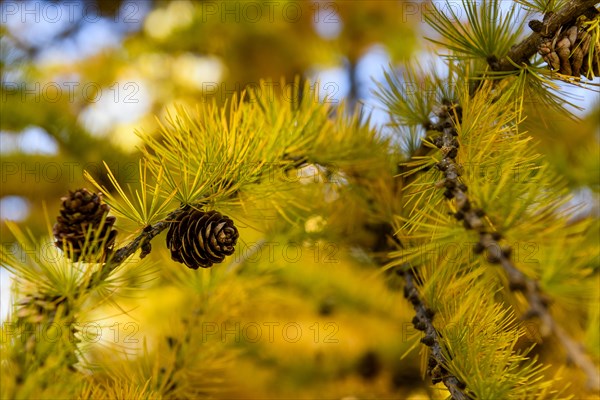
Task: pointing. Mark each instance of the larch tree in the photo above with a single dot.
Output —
(280, 244)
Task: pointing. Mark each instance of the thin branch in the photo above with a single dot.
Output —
(423, 321)
(522, 52)
(141, 241)
(473, 219)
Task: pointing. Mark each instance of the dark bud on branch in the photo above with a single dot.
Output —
(428, 340)
(478, 248)
(536, 25)
(418, 324)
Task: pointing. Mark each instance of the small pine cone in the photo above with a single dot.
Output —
(569, 53)
(82, 211)
(201, 239)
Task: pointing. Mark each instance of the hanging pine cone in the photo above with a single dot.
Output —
(568, 53)
(81, 211)
(201, 239)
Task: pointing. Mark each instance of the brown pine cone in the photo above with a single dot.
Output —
(83, 211)
(201, 239)
(568, 53)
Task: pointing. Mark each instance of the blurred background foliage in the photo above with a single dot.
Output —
(76, 88)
